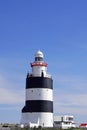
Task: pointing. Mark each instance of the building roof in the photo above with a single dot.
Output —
(83, 124)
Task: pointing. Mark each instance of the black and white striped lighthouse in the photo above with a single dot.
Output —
(38, 107)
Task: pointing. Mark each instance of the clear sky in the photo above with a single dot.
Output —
(59, 29)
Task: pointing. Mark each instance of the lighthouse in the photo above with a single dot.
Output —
(38, 109)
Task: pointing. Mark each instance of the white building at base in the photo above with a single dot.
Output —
(64, 122)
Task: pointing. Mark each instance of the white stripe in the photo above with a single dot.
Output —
(40, 118)
(39, 94)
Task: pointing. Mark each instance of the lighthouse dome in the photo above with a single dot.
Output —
(39, 54)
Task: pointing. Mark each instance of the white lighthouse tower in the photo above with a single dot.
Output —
(38, 109)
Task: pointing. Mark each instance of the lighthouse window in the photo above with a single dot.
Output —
(38, 59)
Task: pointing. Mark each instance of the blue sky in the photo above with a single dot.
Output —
(59, 29)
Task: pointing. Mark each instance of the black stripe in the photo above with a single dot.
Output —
(38, 106)
(39, 82)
